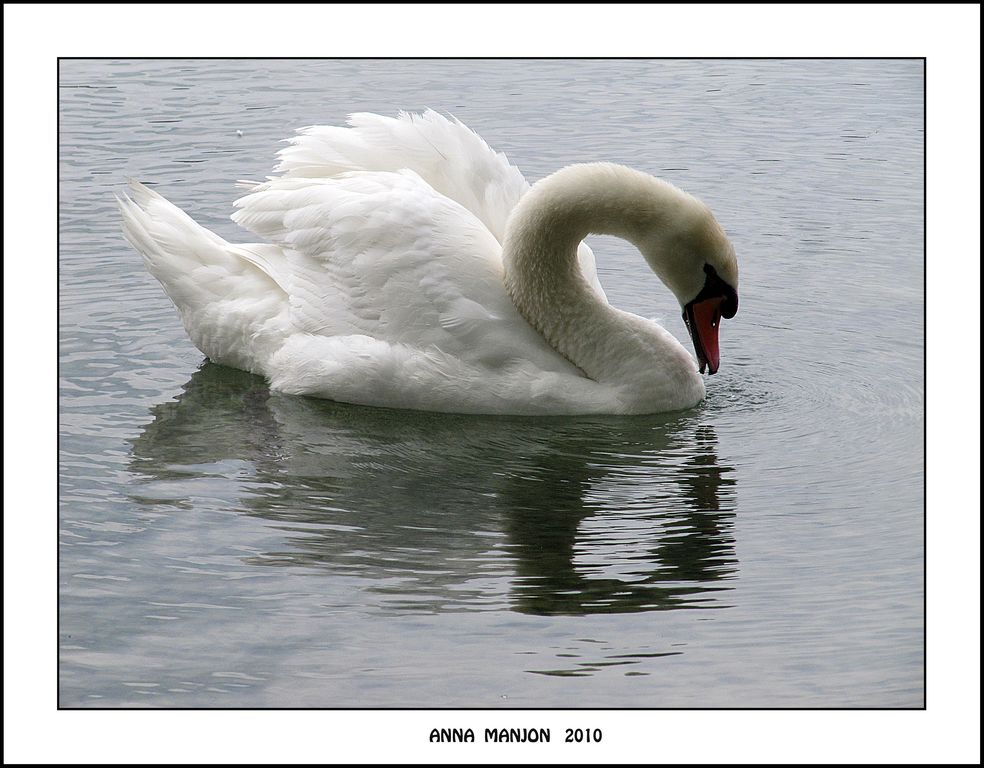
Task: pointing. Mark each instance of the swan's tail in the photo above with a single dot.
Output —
(228, 296)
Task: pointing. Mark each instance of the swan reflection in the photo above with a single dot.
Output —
(441, 512)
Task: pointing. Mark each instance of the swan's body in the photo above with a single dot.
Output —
(410, 266)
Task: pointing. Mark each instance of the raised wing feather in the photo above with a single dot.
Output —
(446, 154)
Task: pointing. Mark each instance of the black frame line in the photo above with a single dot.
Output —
(924, 61)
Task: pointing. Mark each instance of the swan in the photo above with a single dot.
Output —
(408, 265)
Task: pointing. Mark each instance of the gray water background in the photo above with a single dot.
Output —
(223, 545)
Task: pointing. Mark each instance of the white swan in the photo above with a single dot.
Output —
(411, 266)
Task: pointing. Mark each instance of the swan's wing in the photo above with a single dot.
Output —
(384, 255)
(445, 153)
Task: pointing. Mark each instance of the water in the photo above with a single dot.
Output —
(223, 545)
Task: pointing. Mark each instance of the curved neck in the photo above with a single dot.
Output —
(547, 286)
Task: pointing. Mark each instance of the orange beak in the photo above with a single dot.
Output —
(703, 319)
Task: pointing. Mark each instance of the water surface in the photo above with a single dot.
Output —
(224, 545)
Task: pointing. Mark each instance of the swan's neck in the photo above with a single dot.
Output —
(547, 286)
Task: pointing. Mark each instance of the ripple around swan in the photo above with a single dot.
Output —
(847, 419)
(869, 398)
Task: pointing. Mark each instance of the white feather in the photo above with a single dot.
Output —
(382, 280)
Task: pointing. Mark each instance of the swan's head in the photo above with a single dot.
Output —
(687, 248)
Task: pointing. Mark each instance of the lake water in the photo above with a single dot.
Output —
(222, 545)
